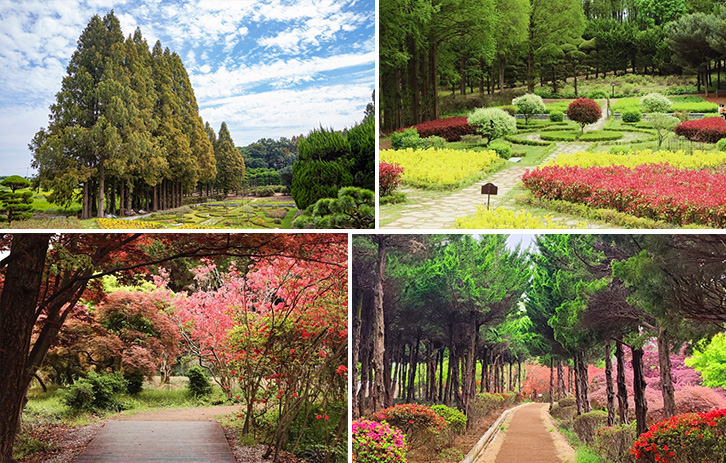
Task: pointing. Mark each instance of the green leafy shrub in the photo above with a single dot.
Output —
(134, 382)
(455, 419)
(510, 109)
(502, 149)
(587, 424)
(721, 144)
(632, 115)
(655, 103)
(353, 208)
(529, 104)
(556, 116)
(362, 141)
(597, 95)
(432, 142)
(601, 135)
(559, 135)
(472, 139)
(199, 384)
(409, 138)
(614, 442)
(96, 392)
(492, 123)
(378, 442)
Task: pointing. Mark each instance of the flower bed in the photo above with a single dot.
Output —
(503, 218)
(707, 130)
(697, 160)
(689, 437)
(450, 128)
(421, 425)
(118, 224)
(659, 192)
(442, 169)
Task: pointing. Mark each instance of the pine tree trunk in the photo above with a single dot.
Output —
(18, 303)
(379, 394)
(85, 207)
(641, 404)
(355, 353)
(622, 388)
(583, 382)
(666, 379)
(552, 383)
(434, 70)
(609, 384)
(561, 389)
(101, 186)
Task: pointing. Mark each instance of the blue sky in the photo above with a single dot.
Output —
(269, 69)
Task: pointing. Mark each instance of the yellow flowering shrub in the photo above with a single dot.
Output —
(503, 218)
(678, 159)
(118, 224)
(440, 169)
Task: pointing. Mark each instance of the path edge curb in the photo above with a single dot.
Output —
(488, 436)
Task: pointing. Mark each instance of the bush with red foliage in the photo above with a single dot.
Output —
(450, 128)
(584, 111)
(389, 177)
(684, 438)
(707, 130)
(420, 423)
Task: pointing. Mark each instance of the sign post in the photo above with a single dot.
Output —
(489, 189)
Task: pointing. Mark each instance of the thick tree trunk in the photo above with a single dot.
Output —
(101, 186)
(561, 389)
(462, 75)
(581, 380)
(355, 354)
(666, 379)
(552, 383)
(641, 404)
(18, 304)
(379, 393)
(609, 384)
(622, 388)
(86, 206)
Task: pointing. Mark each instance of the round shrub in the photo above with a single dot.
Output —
(315, 179)
(706, 130)
(455, 419)
(584, 111)
(103, 390)
(492, 123)
(80, 395)
(510, 109)
(432, 142)
(597, 95)
(556, 116)
(408, 138)
(587, 424)
(199, 384)
(614, 442)
(632, 115)
(362, 140)
(655, 103)
(721, 144)
(419, 423)
(377, 442)
(134, 382)
(502, 149)
(686, 437)
(529, 104)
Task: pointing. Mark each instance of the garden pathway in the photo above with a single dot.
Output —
(179, 435)
(443, 212)
(528, 436)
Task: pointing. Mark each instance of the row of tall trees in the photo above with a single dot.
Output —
(427, 308)
(430, 45)
(125, 129)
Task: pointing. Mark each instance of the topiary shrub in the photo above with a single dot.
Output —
(450, 128)
(199, 384)
(408, 138)
(721, 144)
(502, 149)
(322, 168)
(688, 437)
(419, 423)
(655, 103)
(706, 130)
(432, 142)
(614, 443)
(510, 109)
(529, 104)
(353, 208)
(378, 442)
(389, 177)
(632, 115)
(362, 141)
(455, 419)
(492, 123)
(587, 424)
(556, 116)
(584, 111)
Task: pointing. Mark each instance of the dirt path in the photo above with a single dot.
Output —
(180, 414)
(528, 437)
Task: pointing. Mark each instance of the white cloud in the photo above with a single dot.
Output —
(18, 125)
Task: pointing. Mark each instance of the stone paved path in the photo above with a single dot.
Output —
(158, 441)
(442, 212)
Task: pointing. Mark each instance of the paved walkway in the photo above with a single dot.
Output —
(443, 212)
(527, 438)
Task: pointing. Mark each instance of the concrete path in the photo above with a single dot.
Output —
(158, 441)
(528, 436)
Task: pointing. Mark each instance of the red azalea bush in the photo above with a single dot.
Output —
(421, 424)
(584, 111)
(450, 128)
(689, 437)
(655, 191)
(707, 130)
(389, 177)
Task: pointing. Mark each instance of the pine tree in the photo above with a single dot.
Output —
(230, 163)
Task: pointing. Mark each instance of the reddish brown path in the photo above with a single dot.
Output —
(527, 439)
(158, 441)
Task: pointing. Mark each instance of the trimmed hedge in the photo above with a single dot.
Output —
(450, 128)
(706, 130)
